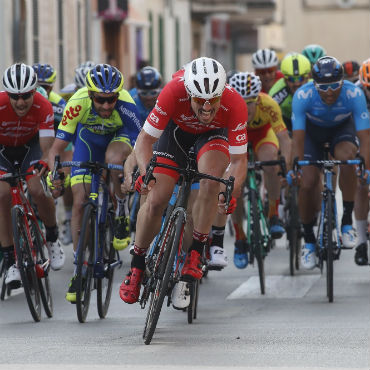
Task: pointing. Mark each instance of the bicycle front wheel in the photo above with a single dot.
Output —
(294, 232)
(85, 262)
(42, 268)
(329, 249)
(104, 284)
(256, 240)
(26, 261)
(193, 305)
(170, 245)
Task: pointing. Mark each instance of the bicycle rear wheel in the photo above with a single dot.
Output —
(329, 249)
(26, 261)
(85, 263)
(256, 240)
(170, 245)
(294, 232)
(104, 285)
(42, 268)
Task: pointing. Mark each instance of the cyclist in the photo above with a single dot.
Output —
(26, 134)
(267, 134)
(361, 202)
(265, 64)
(296, 69)
(146, 91)
(328, 109)
(46, 76)
(193, 110)
(103, 121)
(351, 70)
(313, 52)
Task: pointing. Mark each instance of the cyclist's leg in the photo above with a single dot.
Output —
(266, 150)
(361, 213)
(345, 146)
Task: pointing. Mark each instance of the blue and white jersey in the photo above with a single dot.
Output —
(307, 104)
(143, 112)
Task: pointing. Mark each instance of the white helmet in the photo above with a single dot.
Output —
(264, 58)
(247, 84)
(204, 78)
(81, 72)
(19, 78)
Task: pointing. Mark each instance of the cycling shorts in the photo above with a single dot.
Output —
(174, 145)
(316, 136)
(27, 155)
(91, 147)
(262, 136)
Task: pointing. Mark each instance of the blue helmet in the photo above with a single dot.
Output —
(104, 78)
(148, 78)
(326, 70)
(46, 74)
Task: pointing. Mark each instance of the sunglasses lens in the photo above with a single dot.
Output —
(251, 100)
(295, 78)
(265, 71)
(102, 100)
(211, 101)
(146, 93)
(20, 96)
(326, 87)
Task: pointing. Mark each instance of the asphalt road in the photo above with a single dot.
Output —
(293, 326)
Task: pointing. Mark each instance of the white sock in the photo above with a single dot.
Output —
(361, 231)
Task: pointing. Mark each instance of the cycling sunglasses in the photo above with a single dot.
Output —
(149, 93)
(294, 79)
(24, 96)
(265, 70)
(103, 99)
(251, 100)
(202, 101)
(332, 86)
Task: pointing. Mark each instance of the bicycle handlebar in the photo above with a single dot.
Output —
(92, 165)
(259, 164)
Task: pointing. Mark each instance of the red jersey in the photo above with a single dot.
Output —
(174, 104)
(17, 131)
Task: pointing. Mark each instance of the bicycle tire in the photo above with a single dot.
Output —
(3, 285)
(256, 239)
(294, 232)
(104, 285)
(25, 262)
(329, 249)
(169, 248)
(85, 263)
(42, 274)
(192, 308)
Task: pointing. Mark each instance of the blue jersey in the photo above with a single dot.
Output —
(307, 104)
(143, 112)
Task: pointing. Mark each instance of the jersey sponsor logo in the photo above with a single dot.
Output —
(240, 126)
(164, 154)
(280, 96)
(365, 115)
(183, 99)
(60, 135)
(71, 113)
(304, 94)
(58, 109)
(352, 94)
(4, 123)
(184, 118)
(153, 118)
(160, 110)
(241, 137)
(130, 114)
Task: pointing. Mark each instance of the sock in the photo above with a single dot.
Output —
(138, 259)
(347, 213)
(68, 213)
(239, 232)
(199, 240)
(218, 236)
(51, 233)
(8, 254)
(308, 234)
(122, 207)
(273, 208)
(361, 230)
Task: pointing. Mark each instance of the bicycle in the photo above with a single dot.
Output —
(258, 236)
(328, 242)
(29, 243)
(95, 257)
(163, 264)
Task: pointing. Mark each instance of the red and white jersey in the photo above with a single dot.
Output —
(17, 131)
(174, 104)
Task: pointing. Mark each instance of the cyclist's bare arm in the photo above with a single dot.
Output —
(298, 144)
(56, 149)
(45, 146)
(285, 144)
(128, 169)
(238, 169)
(144, 150)
(364, 137)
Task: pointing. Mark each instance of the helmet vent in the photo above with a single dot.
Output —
(215, 85)
(196, 83)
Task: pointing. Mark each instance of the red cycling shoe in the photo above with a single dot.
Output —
(129, 290)
(193, 266)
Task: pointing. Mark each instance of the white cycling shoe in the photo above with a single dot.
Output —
(56, 255)
(348, 237)
(180, 296)
(218, 257)
(13, 277)
(308, 257)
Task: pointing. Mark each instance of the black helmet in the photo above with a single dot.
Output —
(326, 70)
(148, 78)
